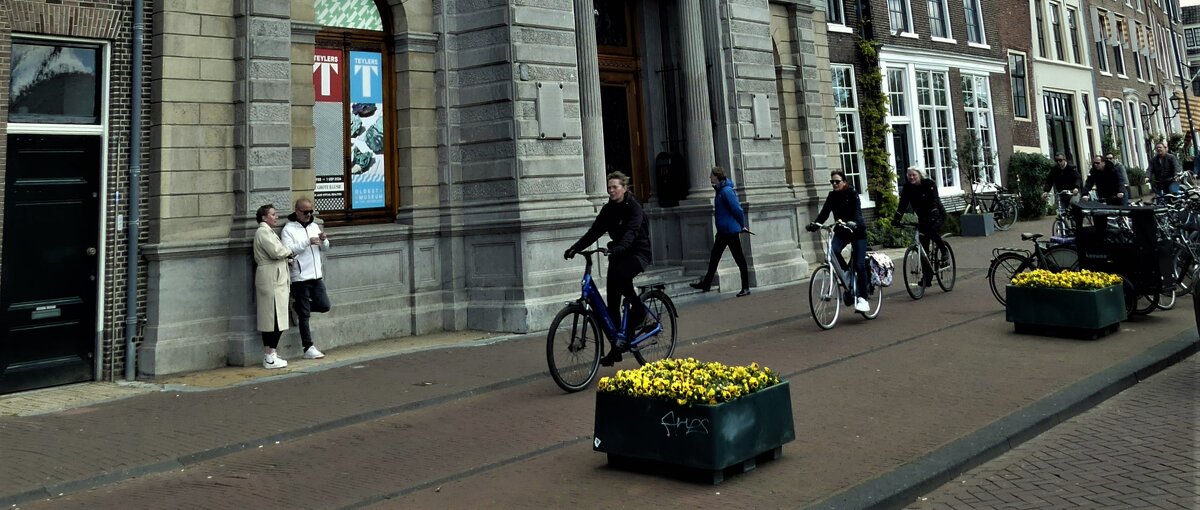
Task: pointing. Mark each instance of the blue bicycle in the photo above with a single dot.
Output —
(574, 345)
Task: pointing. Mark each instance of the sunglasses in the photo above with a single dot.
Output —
(835, 181)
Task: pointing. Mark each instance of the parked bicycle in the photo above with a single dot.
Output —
(993, 198)
(916, 259)
(832, 285)
(574, 345)
(1007, 262)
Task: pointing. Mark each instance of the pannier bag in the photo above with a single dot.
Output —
(881, 267)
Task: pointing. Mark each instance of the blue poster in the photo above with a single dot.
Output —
(366, 130)
(366, 77)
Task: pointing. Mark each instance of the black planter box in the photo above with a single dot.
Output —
(705, 437)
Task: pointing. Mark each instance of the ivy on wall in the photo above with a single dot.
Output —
(881, 180)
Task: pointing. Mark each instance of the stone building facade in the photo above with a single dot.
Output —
(65, 142)
(456, 148)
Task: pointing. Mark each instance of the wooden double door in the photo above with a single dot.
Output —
(621, 94)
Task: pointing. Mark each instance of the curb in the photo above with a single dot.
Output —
(903, 485)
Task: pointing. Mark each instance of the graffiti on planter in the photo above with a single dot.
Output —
(684, 426)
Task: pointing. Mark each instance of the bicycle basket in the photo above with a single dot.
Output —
(881, 267)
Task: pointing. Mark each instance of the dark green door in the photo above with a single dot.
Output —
(50, 263)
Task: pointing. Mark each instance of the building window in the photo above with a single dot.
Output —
(54, 83)
(836, 13)
(974, 21)
(1056, 30)
(1130, 39)
(896, 84)
(1118, 131)
(899, 14)
(1041, 29)
(977, 108)
(1087, 122)
(354, 176)
(1192, 36)
(1107, 142)
(845, 104)
(1016, 72)
(1073, 26)
(1118, 56)
(1101, 47)
(937, 132)
(939, 26)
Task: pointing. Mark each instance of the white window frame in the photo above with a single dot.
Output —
(983, 40)
(853, 151)
(836, 21)
(910, 30)
(949, 35)
(943, 163)
(1122, 128)
(1117, 48)
(1056, 29)
(981, 114)
(100, 129)
(1077, 51)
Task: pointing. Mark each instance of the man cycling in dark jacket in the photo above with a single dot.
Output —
(1063, 177)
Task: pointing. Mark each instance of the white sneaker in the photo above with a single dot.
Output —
(861, 305)
(313, 353)
(273, 361)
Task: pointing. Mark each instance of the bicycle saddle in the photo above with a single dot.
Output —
(1026, 236)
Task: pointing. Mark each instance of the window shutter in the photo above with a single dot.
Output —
(1097, 33)
(1114, 38)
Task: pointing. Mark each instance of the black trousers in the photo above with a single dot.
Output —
(621, 271)
(271, 338)
(734, 242)
(929, 231)
(308, 297)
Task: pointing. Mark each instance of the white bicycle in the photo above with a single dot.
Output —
(831, 287)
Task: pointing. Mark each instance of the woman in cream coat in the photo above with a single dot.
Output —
(271, 285)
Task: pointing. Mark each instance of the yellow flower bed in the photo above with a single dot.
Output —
(688, 381)
(1083, 280)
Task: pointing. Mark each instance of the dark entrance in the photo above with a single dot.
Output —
(50, 261)
(620, 94)
(901, 149)
(1060, 126)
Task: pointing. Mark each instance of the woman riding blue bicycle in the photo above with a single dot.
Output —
(922, 195)
(843, 202)
(625, 223)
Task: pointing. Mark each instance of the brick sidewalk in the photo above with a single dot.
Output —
(1139, 449)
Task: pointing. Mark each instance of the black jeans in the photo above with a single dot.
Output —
(308, 296)
(734, 242)
(927, 231)
(621, 271)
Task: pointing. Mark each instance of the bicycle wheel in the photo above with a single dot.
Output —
(1185, 270)
(1002, 270)
(1146, 303)
(1005, 214)
(1166, 300)
(1060, 228)
(875, 298)
(573, 348)
(946, 270)
(823, 298)
(662, 345)
(913, 273)
(1062, 258)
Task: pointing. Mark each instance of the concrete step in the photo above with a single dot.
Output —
(677, 280)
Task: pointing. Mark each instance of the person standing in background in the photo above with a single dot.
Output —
(270, 285)
(730, 221)
(306, 241)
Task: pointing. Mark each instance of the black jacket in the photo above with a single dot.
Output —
(625, 223)
(1106, 181)
(923, 197)
(1164, 169)
(845, 206)
(1062, 179)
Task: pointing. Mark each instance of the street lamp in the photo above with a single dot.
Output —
(1155, 100)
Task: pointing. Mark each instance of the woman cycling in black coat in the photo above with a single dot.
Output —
(922, 195)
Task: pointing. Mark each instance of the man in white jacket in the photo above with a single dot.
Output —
(305, 239)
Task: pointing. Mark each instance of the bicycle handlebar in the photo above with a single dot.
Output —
(848, 225)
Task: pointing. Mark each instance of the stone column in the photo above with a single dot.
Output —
(262, 108)
(589, 98)
(700, 154)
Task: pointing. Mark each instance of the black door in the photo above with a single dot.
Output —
(50, 261)
(900, 148)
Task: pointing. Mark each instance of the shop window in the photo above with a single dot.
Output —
(353, 154)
